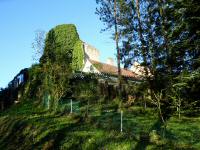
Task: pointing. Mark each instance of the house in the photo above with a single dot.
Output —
(108, 74)
(92, 64)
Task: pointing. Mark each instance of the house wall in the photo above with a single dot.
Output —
(88, 67)
(110, 61)
(91, 52)
(139, 70)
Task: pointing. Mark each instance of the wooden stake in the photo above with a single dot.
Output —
(71, 106)
(121, 120)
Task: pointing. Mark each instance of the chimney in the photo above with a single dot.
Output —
(136, 68)
(140, 70)
(110, 61)
(91, 52)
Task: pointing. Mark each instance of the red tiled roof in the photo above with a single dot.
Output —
(109, 69)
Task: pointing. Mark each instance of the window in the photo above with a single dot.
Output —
(91, 68)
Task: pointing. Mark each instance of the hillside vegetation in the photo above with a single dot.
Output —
(56, 106)
(28, 127)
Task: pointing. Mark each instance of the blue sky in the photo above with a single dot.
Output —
(19, 19)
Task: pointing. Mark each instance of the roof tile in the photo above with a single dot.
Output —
(106, 68)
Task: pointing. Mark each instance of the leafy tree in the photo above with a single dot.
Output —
(164, 37)
(186, 32)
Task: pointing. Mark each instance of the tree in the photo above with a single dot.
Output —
(186, 31)
(157, 100)
(109, 13)
(163, 36)
(177, 100)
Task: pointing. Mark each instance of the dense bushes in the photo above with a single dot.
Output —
(85, 87)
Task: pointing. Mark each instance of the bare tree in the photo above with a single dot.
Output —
(38, 44)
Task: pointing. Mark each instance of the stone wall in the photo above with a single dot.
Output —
(91, 52)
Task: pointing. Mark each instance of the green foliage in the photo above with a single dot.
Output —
(63, 53)
(78, 56)
(63, 43)
(59, 43)
(31, 89)
(85, 87)
(186, 87)
(49, 81)
(165, 37)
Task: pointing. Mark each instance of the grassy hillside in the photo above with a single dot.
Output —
(27, 127)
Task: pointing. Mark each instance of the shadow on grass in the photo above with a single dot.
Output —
(54, 138)
(144, 139)
(10, 133)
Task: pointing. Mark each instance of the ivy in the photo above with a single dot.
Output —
(63, 53)
(63, 43)
(48, 81)
(78, 56)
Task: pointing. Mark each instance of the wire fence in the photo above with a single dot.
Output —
(70, 106)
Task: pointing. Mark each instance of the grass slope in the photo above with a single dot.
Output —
(28, 127)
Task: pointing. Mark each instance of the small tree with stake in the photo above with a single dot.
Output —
(157, 100)
(176, 97)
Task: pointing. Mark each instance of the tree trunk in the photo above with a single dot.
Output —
(160, 113)
(145, 105)
(140, 31)
(118, 50)
(179, 109)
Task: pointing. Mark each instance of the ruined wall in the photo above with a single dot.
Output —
(91, 52)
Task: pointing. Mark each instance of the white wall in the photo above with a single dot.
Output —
(87, 67)
(91, 52)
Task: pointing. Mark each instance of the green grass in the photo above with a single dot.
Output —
(27, 127)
